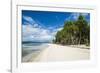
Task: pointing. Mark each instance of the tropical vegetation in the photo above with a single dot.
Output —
(74, 32)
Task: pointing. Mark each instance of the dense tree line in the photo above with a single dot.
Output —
(74, 32)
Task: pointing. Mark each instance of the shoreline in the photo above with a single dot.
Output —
(56, 52)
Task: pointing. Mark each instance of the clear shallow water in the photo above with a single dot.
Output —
(31, 47)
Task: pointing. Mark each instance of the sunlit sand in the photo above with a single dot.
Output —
(55, 52)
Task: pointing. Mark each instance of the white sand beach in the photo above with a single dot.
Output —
(55, 52)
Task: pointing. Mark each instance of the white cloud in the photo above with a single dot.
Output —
(34, 32)
(59, 29)
(29, 19)
(75, 16)
(31, 33)
(35, 25)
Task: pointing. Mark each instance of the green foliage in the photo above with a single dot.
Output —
(74, 32)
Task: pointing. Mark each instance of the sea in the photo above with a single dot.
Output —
(32, 47)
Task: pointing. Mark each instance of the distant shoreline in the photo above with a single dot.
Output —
(76, 46)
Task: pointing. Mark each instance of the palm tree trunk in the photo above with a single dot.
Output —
(79, 38)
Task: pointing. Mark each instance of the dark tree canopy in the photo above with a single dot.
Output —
(74, 32)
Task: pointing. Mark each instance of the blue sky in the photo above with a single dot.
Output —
(41, 26)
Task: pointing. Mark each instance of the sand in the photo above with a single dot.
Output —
(55, 52)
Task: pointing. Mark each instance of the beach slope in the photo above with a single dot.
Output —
(61, 53)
